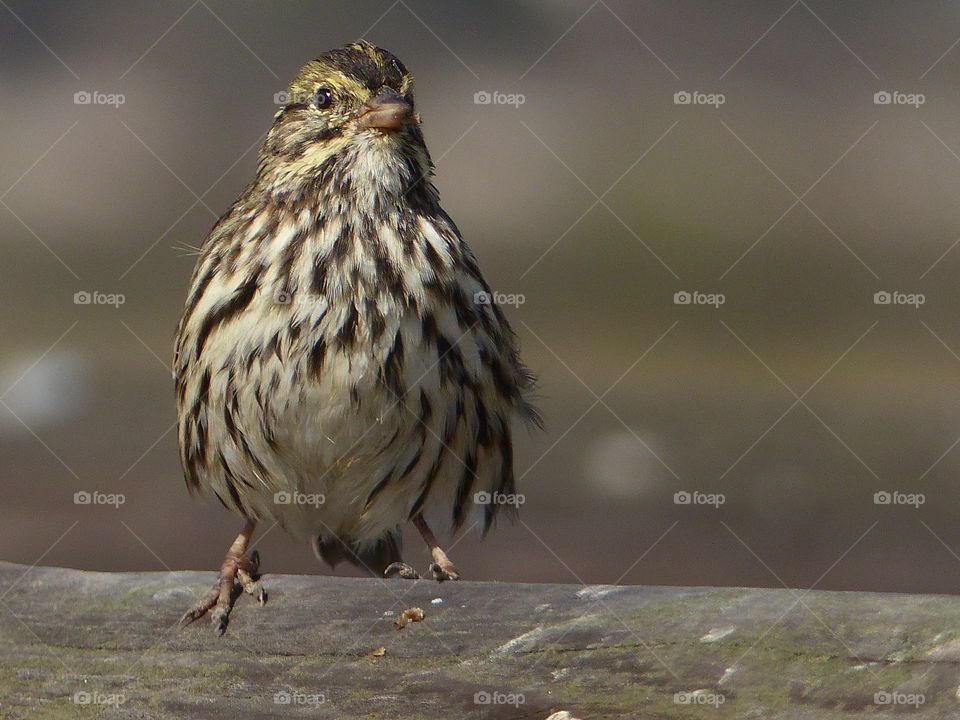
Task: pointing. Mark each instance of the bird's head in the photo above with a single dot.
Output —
(351, 110)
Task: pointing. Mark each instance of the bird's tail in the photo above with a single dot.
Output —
(372, 556)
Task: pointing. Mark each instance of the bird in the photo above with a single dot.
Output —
(341, 367)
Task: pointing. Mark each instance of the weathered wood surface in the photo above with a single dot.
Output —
(88, 644)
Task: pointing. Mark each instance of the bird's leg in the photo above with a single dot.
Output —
(441, 568)
(237, 568)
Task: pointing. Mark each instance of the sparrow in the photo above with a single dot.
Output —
(341, 367)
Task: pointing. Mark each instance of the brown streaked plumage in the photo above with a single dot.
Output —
(339, 367)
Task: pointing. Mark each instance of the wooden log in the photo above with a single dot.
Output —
(87, 644)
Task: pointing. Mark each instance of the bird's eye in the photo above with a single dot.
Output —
(323, 98)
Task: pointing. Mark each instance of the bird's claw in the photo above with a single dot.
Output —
(437, 572)
(441, 574)
(401, 570)
(236, 578)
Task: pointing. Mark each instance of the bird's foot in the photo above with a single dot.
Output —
(442, 568)
(238, 574)
(439, 572)
(444, 571)
(401, 570)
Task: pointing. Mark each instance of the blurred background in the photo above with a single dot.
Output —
(692, 205)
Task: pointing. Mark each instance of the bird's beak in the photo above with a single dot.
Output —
(388, 111)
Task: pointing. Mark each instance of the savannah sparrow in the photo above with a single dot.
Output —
(339, 366)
